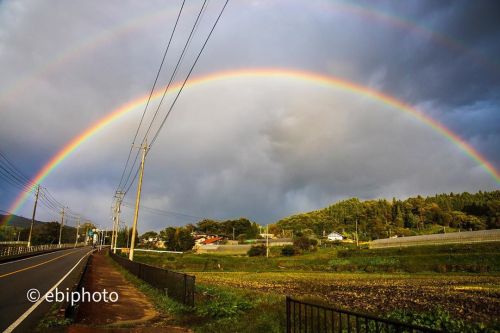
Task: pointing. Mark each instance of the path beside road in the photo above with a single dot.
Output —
(133, 312)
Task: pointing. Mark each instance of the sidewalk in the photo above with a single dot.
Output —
(133, 310)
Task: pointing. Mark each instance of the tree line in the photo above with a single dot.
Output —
(383, 218)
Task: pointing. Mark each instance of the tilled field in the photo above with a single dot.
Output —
(474, 298)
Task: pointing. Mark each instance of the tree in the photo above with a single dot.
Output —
(209, 226)
(184, 241)
(177, 239)
(305, 243)
(168, 235)
(149, 234)
(257, 250)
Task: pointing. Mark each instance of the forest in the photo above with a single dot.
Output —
(384, 218)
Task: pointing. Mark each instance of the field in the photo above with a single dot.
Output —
(475, 298)
(458, 283)
(478, 258)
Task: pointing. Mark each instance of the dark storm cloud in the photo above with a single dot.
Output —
(256, 148)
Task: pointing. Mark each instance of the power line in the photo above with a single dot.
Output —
(165, 212)
(188, 75)
(188, 41)
(151, 94)
(10, 173)
(14, 168)
(182, 87)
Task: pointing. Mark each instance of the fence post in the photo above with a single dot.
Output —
(185, 289)
(288, 316)
(193, 290)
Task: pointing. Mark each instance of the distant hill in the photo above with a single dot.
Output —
(383, 218)
(19, 221)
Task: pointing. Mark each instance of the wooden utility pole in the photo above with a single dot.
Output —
(34, 212)
(137, 201)
(119, 197)
(267, 241)
(77, 230)
(114, 225)
(61, 226)
(357, 237)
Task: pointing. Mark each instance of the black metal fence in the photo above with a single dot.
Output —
(178, 286)
(307, 317)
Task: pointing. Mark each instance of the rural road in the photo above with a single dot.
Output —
(42, 272)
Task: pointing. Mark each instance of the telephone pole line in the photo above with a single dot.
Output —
(137, 201)
(114, 222)
(34, 212)
(116, 225)
(61, 226)
(77, 230)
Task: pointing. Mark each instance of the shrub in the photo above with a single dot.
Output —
(255, 251)
(304, 243)
(438, 319)
(288, 250)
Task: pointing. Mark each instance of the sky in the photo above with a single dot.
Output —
(261, 147)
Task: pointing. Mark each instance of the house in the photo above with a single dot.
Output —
(212, 240)
(335, 236)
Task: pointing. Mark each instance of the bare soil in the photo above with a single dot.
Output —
(133, 312)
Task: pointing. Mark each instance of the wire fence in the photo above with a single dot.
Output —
(178, 286)
(439, 239)
(307, 317)
(17, 250)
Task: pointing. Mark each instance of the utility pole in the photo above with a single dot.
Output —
(267, 241)
(114, 225)
(34, 212)
(128, 236)
(118, 206)
(357, 238)
(137, 201)
(61, 226)
(233, 233)
(77, 230)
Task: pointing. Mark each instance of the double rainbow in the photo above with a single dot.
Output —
(310, 77)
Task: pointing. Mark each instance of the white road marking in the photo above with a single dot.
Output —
(19, 320)
(35, 256)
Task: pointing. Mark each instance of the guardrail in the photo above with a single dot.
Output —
(17, 250)
(463, 237)
(307, 317)
(178, 286)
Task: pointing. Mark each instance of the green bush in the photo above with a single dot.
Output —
(258, 250)
(437, 319)
(288, 250)
(305, 243)
(221, 304)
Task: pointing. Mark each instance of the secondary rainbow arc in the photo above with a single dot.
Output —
(317, 78)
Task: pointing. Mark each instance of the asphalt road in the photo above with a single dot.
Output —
(41, 272)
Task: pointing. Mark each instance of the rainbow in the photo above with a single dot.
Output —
(311, 77)
(93, 42)
(369, 12)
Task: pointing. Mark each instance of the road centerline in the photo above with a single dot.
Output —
(36, 265)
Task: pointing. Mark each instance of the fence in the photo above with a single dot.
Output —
(307, 317)
(16, 250)
(178, 286)
(438, 239)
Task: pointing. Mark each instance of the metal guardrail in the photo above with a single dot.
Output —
(17, 250)
(178, 286)
(307, 317)
(463, 237)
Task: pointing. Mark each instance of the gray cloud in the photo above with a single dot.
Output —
(261, 148)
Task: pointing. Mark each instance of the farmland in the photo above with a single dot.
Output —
(475, 298)
(460, 282)
(479, 258)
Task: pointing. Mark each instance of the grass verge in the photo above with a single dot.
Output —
(217, 309)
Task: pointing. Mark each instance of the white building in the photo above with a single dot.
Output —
(335, 236)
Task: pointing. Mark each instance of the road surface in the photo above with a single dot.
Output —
(42, 272)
